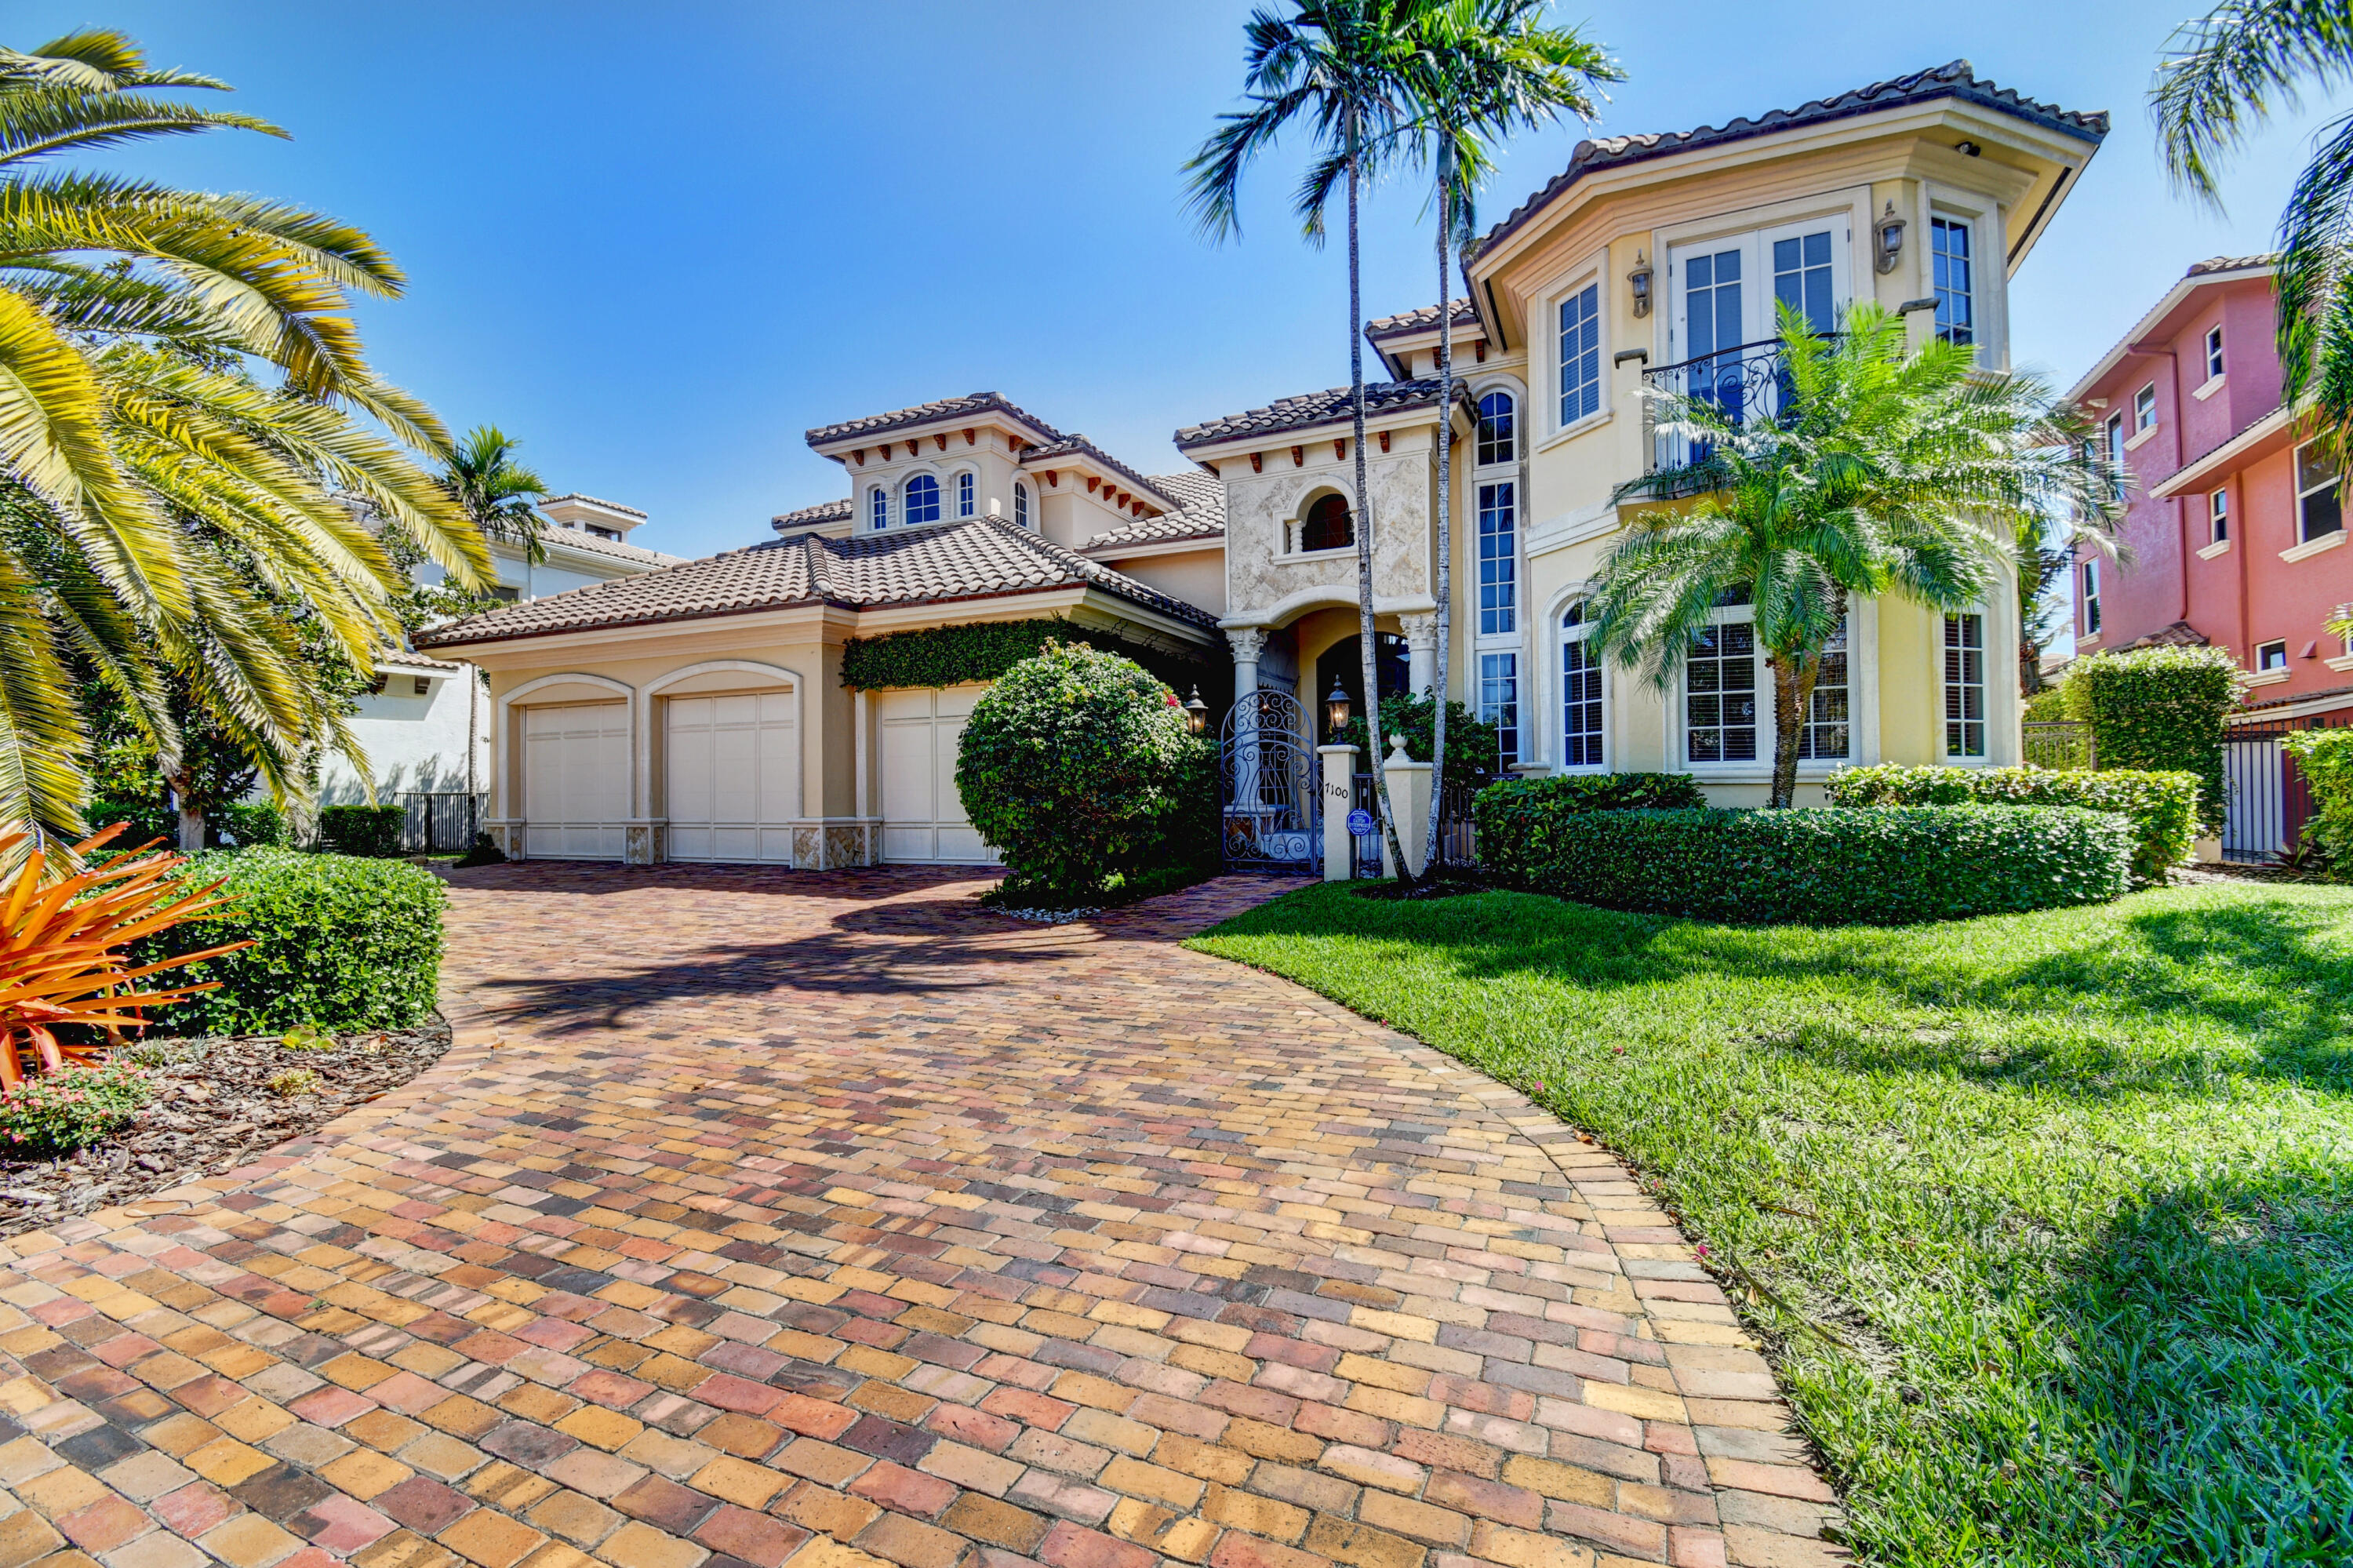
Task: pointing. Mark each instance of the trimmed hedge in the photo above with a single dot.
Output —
(1881, 866)
(369, 830)
(2161, 710)
(2161, 807)
(340, 943)
(1513, 815)
(2325, 756)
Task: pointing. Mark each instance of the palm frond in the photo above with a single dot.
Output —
(2227, 73)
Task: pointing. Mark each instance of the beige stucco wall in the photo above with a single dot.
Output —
(1267, 585)
(1196, 576)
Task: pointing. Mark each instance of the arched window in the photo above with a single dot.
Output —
(963, 493)
(1498, 429)
(878, 507)
(923, 503)
(1580, 693)
(1020, 503)
(1328, 526)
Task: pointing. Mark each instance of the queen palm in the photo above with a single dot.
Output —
(1338, 69)
(2222, 79)
(162, 508)
(1480, 69)
(1880, 472)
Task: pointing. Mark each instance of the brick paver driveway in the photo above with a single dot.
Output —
(762, 1216)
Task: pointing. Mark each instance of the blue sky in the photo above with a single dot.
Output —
(658, 243)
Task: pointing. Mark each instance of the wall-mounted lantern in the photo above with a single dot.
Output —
(1197, 714)
(1639, 282)
(1888, 239)
(1337, 707)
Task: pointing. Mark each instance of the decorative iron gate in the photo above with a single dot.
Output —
(438, 822)
(1267, 768)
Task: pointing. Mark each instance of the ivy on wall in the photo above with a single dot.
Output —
(985, 650)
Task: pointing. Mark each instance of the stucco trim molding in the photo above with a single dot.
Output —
(1292, 605)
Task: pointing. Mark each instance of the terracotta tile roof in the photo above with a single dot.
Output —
(2290, 699)
(2231, 264)
(1956, 79)
(405, 660)
(925, 413)
(985, 558)
(1201, 515)
(619, 549)
(593, 501)
(1079, 446)
(2180, 634)
(1310, 409)
(1423, 319)
(812, 516)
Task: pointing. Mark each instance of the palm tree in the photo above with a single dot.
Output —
(496, 490)
(1482, 67)
(1341, 69)
(1881, 472)
(2222, 79)
(162, 512)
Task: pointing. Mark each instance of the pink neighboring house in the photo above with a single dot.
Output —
(2236, 530)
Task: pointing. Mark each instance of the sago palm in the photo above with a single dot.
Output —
(1480, 69)
(1873, 471)
(2223, 76)
(1337, 70)
(163, 509)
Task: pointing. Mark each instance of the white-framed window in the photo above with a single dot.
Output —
(2215, 353)
(1020, 503)
(2218, 516)
(2145, 409)
(1720, 700)
(2320, 497)
(1802, 279)
(1720, 299)
(922, 502)
(1499, 438)
(966, 488)
(1580, 354)
(1499, 562)
(1499, 703)
(1827, 731)
(2117, 451)
(1965, 685)
(1581, 727)
(878, 508)
(1948, 247)
(2091, 598)
(2271, 656)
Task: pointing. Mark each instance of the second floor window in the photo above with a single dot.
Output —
(1499, 527)
(2217, 516)
(2214, 354)
(923, 503)
(1020, 503)
(1580, 354)
(2145, 409)
(2117, 451)
(1949, 242)
(2271, 656)
(2091, 598)
(964, 494)
(2318, 496)
(1498, 434)
(1965, 685)
(878, 507)
(1328, 526)
(1802, 278)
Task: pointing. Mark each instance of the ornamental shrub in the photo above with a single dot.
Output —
(57, 1112)
(1880, 865)
(1076, 765)
(341, 943)
(253, 824)
(2162, 710)
(2325, 756)
(370, 831)
(1473, 746)
(1513, 815)
(2161, 807)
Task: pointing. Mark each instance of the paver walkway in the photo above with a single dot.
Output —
(761, 1217)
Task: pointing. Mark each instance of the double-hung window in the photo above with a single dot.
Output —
(2319, 496)
(965, 498)
(2218, 516)
(923, 501)
(1498, 559)
(2145, 409)
(1580, 354)
(1948, 245)
(1020, 504)
(1965, 686)
(1826, 733)
(1499, 703)
(1720, 687)
(2116, 453)
(878, 507)
(1580, 693)
(2215, 353)
(2091, 598)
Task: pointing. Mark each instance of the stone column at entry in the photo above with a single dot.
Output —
(1339, 799)
(1248, 642)
(1410, 786)
(1420, 652)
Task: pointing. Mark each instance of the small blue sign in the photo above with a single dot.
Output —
(1360, 822)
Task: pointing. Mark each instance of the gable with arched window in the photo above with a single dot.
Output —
(923, 501)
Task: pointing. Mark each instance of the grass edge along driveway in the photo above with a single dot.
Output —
(2048, 1219)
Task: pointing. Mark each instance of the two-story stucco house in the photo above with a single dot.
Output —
(695, 713)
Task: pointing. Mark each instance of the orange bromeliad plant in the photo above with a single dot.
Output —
(61, 950)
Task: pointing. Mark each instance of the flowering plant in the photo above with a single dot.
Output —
(59, 1112)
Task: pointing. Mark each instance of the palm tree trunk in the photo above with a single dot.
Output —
(1365, 528)
(1794, 675)
(1445, 583)
(191, 814)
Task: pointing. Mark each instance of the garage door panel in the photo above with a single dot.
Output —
(576, 781)
(920, 733)
(733, 777)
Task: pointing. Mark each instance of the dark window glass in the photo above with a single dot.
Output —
(1328, 526)
(1498, 439)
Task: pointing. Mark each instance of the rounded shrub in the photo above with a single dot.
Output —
(2160, 710)
(2161, 807)
(1076, 765)
(1881, 866)
(339, 943)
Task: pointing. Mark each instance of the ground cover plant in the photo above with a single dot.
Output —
(2048, 1218)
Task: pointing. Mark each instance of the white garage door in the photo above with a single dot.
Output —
(734, 774)
(923, 819)
(576, 781)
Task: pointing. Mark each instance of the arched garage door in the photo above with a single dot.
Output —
(576, 781)
(922, 817)
(732, 775)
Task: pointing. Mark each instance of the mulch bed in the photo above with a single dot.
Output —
(213, 1111)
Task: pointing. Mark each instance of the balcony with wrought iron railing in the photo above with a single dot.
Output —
(1747, 381)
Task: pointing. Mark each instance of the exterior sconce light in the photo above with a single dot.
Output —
(1337, 707)
(1639, 281)
(1197, 714)
(1888, 239)
(1968, 149)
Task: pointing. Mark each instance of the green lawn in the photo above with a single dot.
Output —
(2048, 1218)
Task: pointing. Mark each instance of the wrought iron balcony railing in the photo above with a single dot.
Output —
(1747, 381)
